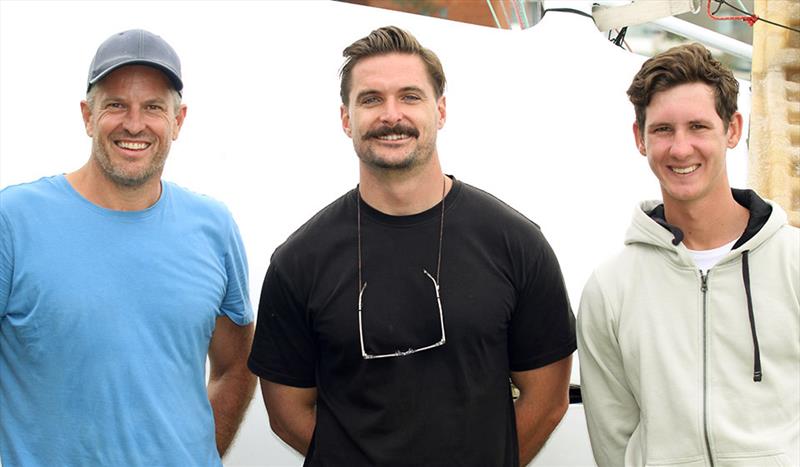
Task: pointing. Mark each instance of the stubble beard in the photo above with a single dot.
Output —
(418, 156)
(125, 178)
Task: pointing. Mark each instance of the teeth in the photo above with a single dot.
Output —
(393, 137)
(685, 170)
(132, 145)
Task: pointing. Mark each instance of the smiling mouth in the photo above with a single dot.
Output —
(393, 137)
(132, 145)
(685, 170)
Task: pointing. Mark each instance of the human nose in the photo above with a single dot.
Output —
(391, 112)
(133, 122)
(681, 146)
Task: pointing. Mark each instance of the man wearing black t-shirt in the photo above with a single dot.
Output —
(389, 324)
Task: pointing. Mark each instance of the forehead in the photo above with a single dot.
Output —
(683, 98)
(389, 72)
(138, 78)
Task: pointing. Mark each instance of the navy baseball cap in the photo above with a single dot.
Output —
(135, 47)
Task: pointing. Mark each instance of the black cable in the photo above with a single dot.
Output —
(779, 25)
(620, 37)
(568, 10)
(758, 18)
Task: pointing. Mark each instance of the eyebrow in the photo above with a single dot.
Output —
(413, 89)
(650, 126)
(690, 122)
(155, 100)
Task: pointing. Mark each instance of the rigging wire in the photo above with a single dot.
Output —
(568, 10)
(741, 4)
(750, 18)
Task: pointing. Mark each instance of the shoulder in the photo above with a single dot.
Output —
(787, 234)
(495, 207)
(619, 273)
(632, 255)
(783, 247)
(485, 210)
(321, 229)
(776, 235)
(17, 199)
(29, 190)
(198, 204)
(604, 291)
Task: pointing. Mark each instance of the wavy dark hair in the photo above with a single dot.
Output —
(689, 63)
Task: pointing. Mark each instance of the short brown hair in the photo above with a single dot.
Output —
(689, 63)
(386, 40)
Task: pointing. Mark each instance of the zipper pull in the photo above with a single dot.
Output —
(704, 282)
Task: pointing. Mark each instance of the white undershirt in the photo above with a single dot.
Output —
(706, 259)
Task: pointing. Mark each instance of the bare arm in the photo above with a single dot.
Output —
(542, 402)
(292, 413)
(230, 384)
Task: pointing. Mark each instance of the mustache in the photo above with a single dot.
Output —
(143, 135)
(398, 129)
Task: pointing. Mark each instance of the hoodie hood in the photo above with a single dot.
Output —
(649, 227)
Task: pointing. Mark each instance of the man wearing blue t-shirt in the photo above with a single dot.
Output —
(115, 286)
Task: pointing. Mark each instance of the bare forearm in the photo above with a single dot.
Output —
(230, 394)
(535, 422)
(543, 401)
(292, 413)
(297, 431)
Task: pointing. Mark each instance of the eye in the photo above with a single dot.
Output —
(114, 105)
(155, 107)
(698, 126)
(662, 129)
(411, 98)
(370, 100)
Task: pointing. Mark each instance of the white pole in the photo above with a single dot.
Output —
(706, 36)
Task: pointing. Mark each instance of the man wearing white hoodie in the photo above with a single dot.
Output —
(689, 339)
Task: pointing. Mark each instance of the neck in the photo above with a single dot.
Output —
(101, 191)
(402, 193)
(706, 223)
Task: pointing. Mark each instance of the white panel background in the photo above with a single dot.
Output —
(538, 117)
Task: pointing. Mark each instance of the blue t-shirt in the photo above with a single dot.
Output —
(105, 322)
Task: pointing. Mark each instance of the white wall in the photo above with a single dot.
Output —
(537, 117)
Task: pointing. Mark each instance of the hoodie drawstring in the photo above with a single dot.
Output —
(756, 352)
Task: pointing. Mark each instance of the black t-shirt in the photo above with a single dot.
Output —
(505, 309)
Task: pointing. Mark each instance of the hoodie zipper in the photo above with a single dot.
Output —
(704, 289)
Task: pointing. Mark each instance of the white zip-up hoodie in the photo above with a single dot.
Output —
(669, 356)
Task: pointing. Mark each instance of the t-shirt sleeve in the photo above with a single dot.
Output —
(6, 263)
(283, 347)
(236, 304)
(542, 326)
